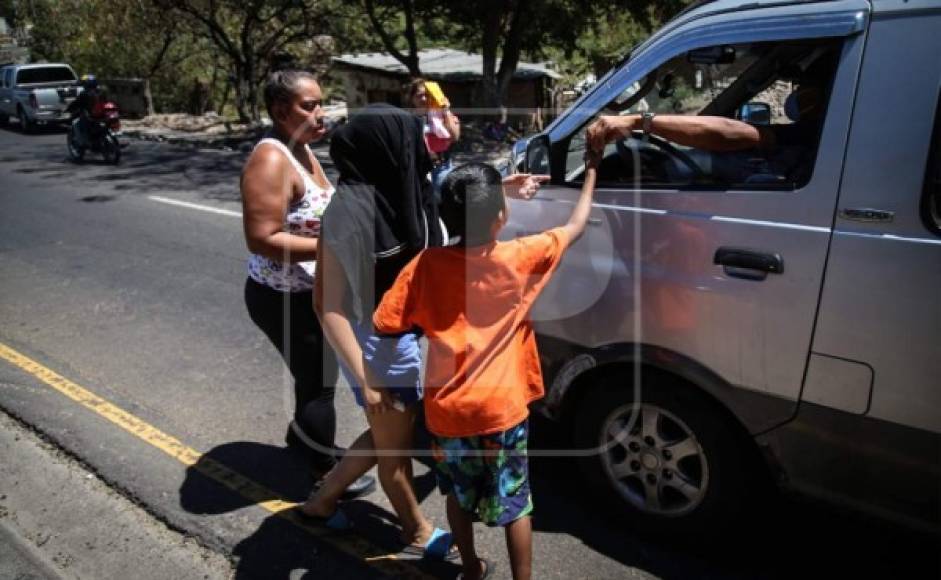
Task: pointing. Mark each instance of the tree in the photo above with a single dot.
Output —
(89, 34)
(249, 35)
(380, 22)
(504, 30)
(8, 11)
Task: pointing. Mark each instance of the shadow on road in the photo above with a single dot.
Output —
(788, 537)
(146, 167)
(279, 547)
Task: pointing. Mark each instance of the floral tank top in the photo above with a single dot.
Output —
(302, 219)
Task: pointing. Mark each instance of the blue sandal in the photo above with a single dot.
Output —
(338, 521)
(440, 546)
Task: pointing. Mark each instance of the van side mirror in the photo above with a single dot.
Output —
(537, 155)
(755, 113)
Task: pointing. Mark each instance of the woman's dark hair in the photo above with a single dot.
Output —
(281, 86)
(471, 199)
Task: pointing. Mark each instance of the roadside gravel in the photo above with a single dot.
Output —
(59, 520)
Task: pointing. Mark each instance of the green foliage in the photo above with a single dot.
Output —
(121, 39)
(608, 36)
(191, 65)
(8, 11)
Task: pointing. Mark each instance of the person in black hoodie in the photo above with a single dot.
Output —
(382, 215)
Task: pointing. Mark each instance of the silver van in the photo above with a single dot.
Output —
(771, 311)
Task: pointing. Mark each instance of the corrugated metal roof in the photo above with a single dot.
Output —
(440, 64)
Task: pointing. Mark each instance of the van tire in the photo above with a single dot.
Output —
(722, 468)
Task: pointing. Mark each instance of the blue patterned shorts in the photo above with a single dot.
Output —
(488, 474)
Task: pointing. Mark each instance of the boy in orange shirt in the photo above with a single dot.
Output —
(472, 301)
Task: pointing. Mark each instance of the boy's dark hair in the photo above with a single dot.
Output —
(471, 199)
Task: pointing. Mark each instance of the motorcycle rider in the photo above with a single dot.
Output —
(83, 107)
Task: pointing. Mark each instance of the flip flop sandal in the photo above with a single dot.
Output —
(440, 546)
(338, 521)
(488, 567)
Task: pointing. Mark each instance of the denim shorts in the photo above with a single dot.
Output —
(394, 360)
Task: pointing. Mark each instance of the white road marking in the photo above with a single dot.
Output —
(169, 201)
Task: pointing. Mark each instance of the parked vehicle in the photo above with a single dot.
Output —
(36, 93)
(104, 128)
(732, 315)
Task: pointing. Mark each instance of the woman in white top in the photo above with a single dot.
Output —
(284, 194)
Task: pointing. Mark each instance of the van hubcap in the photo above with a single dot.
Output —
(654, 460)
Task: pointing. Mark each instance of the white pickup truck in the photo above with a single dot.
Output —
(37, 93)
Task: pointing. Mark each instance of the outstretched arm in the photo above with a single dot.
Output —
(709, 133)
(576, 223)
(523, 185)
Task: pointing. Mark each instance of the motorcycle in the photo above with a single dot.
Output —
(104, 126)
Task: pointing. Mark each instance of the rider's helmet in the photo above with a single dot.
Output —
(89, 81)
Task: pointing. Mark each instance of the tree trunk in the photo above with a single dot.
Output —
(410, 60)
(243, 98)
(511, 51)
(492, 24)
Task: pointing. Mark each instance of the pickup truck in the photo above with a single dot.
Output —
(37, 93)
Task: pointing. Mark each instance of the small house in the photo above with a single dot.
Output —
(379, 77)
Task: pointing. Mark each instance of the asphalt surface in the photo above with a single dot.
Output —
(140, 302)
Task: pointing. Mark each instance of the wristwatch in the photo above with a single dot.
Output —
(647, 122)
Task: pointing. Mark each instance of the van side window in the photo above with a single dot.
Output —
(931, 202)
(745, 116)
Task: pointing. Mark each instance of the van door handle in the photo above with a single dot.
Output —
(748, 264)
(867, 215)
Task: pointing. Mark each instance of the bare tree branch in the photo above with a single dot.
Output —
(411, 60)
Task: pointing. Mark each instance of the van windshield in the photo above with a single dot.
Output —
(47, 74)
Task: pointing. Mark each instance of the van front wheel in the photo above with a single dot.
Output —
(666, 454)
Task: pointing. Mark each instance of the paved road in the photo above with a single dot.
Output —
(138, 301)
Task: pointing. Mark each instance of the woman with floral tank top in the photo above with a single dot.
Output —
(284, 194)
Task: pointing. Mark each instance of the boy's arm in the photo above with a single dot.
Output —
(576, 223)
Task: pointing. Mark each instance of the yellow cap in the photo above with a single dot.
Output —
(436, 98)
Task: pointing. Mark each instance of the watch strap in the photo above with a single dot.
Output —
(647, 122)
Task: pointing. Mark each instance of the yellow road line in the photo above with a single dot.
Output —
(258, 494)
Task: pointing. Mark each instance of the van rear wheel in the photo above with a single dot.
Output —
(670, 459)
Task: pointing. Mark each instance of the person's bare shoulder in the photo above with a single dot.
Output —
(266, 163)
(267, 155)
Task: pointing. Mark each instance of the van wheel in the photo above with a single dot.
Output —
(671, 459)
(4, 119)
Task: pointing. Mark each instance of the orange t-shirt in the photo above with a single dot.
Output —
(473, 305)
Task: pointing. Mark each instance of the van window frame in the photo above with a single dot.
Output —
(560, 148)
(931, 190)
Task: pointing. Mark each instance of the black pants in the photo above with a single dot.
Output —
(289, 322)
